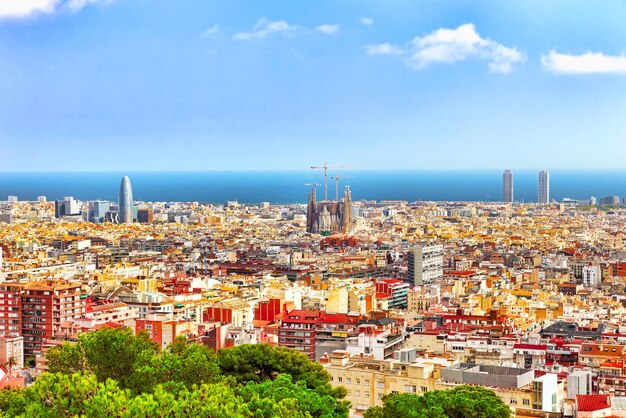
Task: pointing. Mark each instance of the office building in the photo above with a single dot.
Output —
(66, 207)
(507, 186)
(98, 210)
(145, 216)
(425, 264)
(12, 199)
(543, 188)
(125, 202)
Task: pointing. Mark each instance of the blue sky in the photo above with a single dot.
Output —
(213, 85)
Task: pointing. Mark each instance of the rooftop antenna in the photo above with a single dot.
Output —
(325, 167)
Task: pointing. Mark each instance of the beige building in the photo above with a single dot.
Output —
(12, 347)
(368, 380)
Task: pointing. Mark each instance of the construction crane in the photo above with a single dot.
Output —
(336, 178)
(325, 167)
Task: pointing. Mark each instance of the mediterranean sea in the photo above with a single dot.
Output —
(280, 187)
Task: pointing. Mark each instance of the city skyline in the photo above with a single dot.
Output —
(377, 84)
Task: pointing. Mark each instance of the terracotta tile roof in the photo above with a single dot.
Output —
(592, 402)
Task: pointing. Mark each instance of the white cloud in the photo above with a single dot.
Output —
(26, 8)
(328, 29)
(588, 63)
(76, 5)
(266, 27)
(366, 20)
(383, 49)
(210, 31)
(452, 45)
(448, 46)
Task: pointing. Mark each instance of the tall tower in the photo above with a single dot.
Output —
(126, 201)
(507, 186)
(346, 212)
(543, 189)
(312, 225)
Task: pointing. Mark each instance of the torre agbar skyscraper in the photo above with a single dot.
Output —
(125, 202)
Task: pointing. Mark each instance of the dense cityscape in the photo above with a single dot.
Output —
(320, 209)
(525, 300)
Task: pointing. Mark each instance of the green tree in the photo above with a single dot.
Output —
(212, 401)
(67, 358)
(261, 362)
(10, 363)
(179, 366)
(460, 402)
(109, 353)
(283, 398)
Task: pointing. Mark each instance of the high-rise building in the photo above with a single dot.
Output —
(126, 201)
(425, 264)
(66, 207)
(543, 187)
(98, 210)
(507, 186)
(45, 306)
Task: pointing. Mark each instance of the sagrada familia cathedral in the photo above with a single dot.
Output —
(329, 217)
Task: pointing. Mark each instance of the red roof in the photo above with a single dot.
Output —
(592, 402)
(338, 318)
(383, 296)
(462, 273)
(531, 346)
(392, 281)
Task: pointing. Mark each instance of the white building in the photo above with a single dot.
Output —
(592, 276)
(425, 264)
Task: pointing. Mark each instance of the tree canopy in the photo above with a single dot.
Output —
(112, 372)
(460, 402)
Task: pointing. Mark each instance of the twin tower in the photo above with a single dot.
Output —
(543, 187)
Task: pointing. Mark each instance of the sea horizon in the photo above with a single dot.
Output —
(289, 186)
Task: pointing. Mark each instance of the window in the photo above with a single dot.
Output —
(380, 385)
(367, 382)
(367, 394)
(513, 402)
(357, 382)
(526, 401)
(357, 393)
(348, 381)
(424, 389)
(410, 389)
(340, 379)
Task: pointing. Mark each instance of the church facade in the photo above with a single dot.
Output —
(329, 217)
